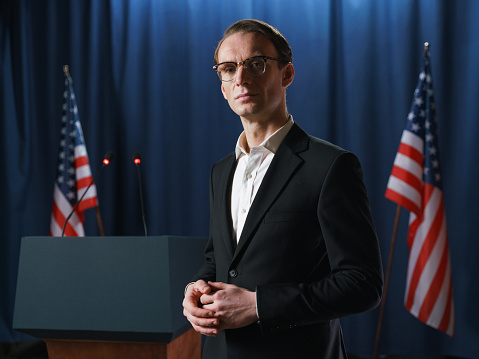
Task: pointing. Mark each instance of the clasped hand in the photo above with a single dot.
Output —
(214, 306)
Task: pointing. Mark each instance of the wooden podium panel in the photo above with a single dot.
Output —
(186, 346)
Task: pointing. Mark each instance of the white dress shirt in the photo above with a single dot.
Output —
(249, 173)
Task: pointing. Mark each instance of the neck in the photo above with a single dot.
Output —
(258, 131)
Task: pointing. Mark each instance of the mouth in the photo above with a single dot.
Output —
(244, 96)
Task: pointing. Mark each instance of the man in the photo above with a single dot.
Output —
(292, 244)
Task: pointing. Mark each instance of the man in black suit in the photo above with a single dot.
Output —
(292, 244)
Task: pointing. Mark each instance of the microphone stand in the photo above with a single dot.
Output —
(106, 161)
(137, 160)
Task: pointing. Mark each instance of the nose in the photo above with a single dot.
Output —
(241, 75)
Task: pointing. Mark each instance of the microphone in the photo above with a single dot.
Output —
(137, 161)
(106, 160)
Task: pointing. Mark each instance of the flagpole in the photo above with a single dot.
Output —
(98, 219)
(386, 282)
(66, 71)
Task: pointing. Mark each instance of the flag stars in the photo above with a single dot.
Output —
(71, 137)
(415, 127)
(419, 224)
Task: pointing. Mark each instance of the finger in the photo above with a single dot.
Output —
(206, 299)
(200, 312)
(190, 303)
(212, 308)
(200, 321)
(202, 286)
(217, 285)
(208, 331)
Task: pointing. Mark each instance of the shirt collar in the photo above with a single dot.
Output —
(272, 143)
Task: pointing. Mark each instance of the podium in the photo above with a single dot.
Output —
(108, 297)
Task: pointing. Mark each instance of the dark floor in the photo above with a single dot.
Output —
(352, 356)
(38, 350)
(25, 350)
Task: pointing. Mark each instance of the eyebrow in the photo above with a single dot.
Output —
(249, 57)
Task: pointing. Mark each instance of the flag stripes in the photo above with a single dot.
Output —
(415, 183)
(73, 172)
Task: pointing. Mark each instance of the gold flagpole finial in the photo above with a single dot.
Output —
(66, 70)
(426, 47)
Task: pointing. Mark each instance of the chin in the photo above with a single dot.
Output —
(246, 111)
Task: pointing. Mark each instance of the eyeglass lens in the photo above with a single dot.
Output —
(255, 67)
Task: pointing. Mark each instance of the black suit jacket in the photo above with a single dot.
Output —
(308, 248)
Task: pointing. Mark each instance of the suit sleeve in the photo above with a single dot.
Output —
(354, 283)
(208, 271)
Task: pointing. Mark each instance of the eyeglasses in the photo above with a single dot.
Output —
(256, 66)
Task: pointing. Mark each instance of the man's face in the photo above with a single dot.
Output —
(253, 98)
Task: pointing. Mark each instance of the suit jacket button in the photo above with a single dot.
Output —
(233, 273)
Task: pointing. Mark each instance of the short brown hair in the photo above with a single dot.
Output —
(285, 54)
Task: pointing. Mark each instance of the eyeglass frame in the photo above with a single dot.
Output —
(265, 58)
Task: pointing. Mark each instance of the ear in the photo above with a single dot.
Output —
(288, 75)
(223, 91)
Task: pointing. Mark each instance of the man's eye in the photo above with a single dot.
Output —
(228, 69)
(256, 64)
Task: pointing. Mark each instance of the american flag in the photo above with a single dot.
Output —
(415, 183)
(73, 172)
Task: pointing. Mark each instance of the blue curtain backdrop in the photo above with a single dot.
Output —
(142, 73)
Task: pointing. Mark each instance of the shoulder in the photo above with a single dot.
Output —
(225, 162)
(308, 146)
(222, 169)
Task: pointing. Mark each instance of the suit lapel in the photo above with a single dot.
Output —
(223, 203)
(283, 166)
